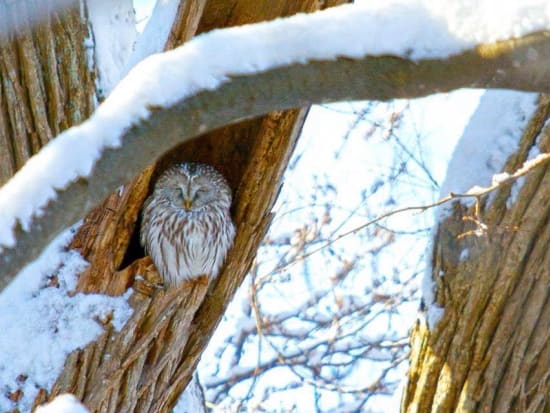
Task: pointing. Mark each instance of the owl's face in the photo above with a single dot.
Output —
(186, 226)
(193, 188)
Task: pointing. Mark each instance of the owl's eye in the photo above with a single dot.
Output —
(178, 193)
(200, 192)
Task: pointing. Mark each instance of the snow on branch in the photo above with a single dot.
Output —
(346, 53)
(65, 403)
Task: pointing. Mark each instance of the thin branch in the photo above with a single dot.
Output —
(476, 193)
(507, 64)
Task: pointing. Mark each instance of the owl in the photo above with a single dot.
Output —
(186, 225)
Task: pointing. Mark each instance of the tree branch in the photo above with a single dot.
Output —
(521, 64)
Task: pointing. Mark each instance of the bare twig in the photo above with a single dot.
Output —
(477, 193)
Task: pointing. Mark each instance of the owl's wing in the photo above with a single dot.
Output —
(145, 222)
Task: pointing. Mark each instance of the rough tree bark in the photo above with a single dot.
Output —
(490, 352)
(45, 83)
(146, 365)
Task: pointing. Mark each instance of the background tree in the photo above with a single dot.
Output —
(488, 352)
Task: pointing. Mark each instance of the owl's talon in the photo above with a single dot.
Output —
(147, 287)
(202, 280)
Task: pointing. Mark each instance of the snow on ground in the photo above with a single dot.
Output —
(491, 136)
(413, 29)
(41, 324)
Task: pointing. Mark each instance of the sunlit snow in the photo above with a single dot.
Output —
(64, 403)
(39, 314)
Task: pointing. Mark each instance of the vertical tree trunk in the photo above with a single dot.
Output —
(152, 359)
(45, 83)
(490, 351)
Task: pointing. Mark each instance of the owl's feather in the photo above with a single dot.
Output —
(186, 227)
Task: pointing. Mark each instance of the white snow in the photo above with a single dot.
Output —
(475, 190)
(48, 322)
(113, 25)
(434, 315)
(492, 134)
(498, 178)
(192, 398)
(64, 403)
(154, 36)
(414, 29)
(496, 124)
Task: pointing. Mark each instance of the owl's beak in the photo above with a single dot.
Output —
(187, 204)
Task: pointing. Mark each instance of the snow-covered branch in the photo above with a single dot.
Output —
(238, 73)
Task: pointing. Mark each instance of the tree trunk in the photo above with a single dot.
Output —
(490, 351)
(45, 83)
(146, 366)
